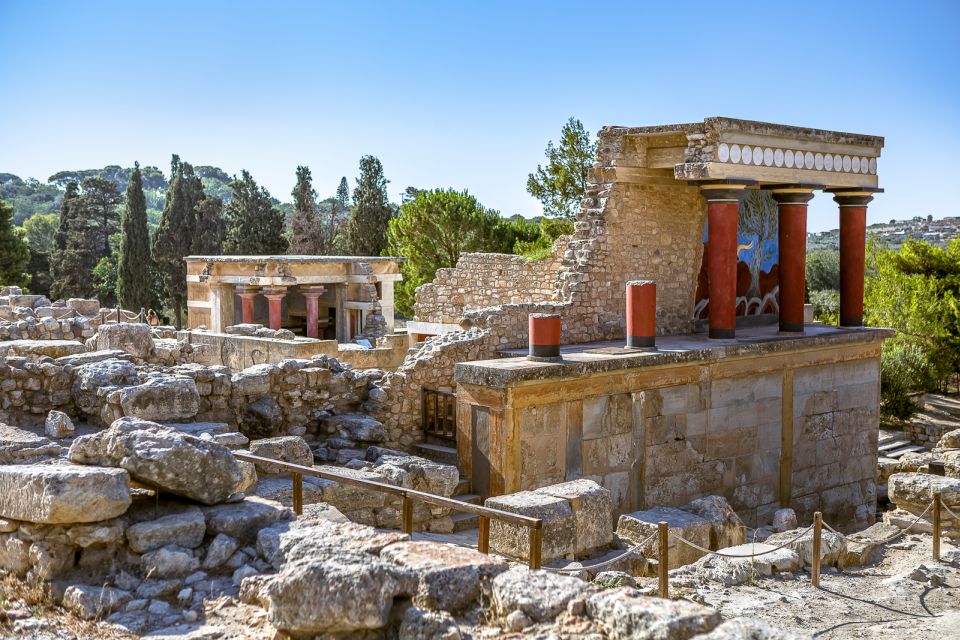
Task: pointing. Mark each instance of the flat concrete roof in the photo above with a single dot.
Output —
(600, 357)
(294, 259)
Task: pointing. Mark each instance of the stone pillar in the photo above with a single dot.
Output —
(544, 339)
(641, 313)
(247, 295)
(723, 208)
(853, 239)
(221, 307)
(275, 300)
(313, 309)
(792, 242)
(342, 328)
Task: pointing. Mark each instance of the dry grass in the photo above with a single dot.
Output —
(39, 599)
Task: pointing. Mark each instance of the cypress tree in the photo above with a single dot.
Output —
(100, 198)
(208, 239)
(14, 252)
(173, 239)
(254, 225)
(371, 213)
(305, 233)
(76, 249)
(134, 271)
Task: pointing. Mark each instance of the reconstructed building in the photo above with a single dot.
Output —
(740, 396)
(326, 297)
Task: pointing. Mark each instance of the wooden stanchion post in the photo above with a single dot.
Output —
(483, 535)
(937, 504)
(817, 531)
(663, 560)
(536, 542)
(406, 515)
(298, 493)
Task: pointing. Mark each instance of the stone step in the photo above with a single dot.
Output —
(896, 453)
(465, 521)
(945, 404)
(890, 436)
(463, 488)
(890, 446)
(437, 453)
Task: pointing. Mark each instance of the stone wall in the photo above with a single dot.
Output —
(762, 429)
(486, 280)
(28, 390)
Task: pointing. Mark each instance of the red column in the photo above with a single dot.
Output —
(641, 313)
(792, 243)
(275, 300)
(246, 303)
(853, 239)
(544, 340)
(313, 309)
(723, 208)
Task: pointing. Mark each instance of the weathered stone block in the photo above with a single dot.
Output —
(635, 528)
(184, 529)
(292, 449)
(56, 494)
(559, 525)
(592, 507)
(162, 399)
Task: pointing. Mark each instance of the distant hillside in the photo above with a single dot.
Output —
(31, 196)
(895, 233)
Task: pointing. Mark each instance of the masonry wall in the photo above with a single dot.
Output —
(795, 429)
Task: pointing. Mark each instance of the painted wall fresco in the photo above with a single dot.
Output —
(758, 257)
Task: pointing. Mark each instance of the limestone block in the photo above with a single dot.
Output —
(161, 457)
(634, 528)
(592, 511)
(540, 595)
(134, 338)
(832, 546)
(84, 307)
(90, 378)
(949, 440)
(261, 419)
(358, 427)
(728, 528)
(242, 520)
(424, 475)
(253, 381)
(163, 399)
(89, 602)
(784, 520)
(625, 613)
(49, 348)
(58, 425)
(918, 489)
(19, 446)
(559, 526)
(184, 529)
(168, 562)
(449, 576)
(730, 571)
(292, 449)
(55, 494)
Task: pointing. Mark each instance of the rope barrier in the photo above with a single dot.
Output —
(950, 511)
(634, 549)
(743, 555)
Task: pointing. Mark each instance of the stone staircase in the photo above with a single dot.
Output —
(442, 452)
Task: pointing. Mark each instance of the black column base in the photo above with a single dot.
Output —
(544, 351)
(791, 327)
(722, 334)
(641, 342)
(851, 321)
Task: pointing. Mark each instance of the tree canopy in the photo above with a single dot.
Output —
(372, 211)
(254, 225)
(14, 252)
(561, 184)
(306, 237)
(134, 263)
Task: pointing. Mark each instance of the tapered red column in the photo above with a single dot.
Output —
(313, 309)
(723, 208)
(247, 296)
(275, 300)
(853, 239)
(792, 244)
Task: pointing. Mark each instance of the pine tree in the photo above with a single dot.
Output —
(306, 237)
(75, 249)
(208, 239)
(99, 199)
(254, 225)
(371, 213)
(14, 252)
(174, 237)
(336, 227)
(561, 184)
(134, 271)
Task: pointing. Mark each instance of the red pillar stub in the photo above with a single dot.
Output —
(311, 296)
(723, 210)
(853, 239)
(544, 339)
(247, 297)
(641, 314)
(275, 302)
(792, 246)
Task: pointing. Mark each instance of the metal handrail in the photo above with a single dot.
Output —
(408, 496)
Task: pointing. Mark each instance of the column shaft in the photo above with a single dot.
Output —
(313, 310)
(246, 304)
(792, 244)
(853, 240)
(275, 301)
(723, 208)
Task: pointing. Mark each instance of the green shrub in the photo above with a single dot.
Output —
(904, 367)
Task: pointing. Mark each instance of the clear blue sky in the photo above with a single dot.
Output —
(466, 94)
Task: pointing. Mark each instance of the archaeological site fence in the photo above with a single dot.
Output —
(407, 496)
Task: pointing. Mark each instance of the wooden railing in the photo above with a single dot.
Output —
(438, 414)
(407, 496)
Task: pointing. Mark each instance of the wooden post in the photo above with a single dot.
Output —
(536, 539)
(937, 503)
(817, 530)
(663, 560)
(298, 493)
(483, 536)
(406, 517)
